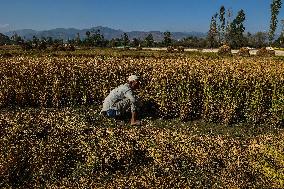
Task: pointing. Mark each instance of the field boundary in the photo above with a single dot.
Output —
(213, 50)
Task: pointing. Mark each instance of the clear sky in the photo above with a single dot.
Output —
(129, 15)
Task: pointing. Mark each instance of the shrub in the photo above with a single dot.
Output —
(224, 50)
(138, 48)
(126, 48)
(170, 49)
(265, 52)
(180, 49)
(244, 52)
(70, 47)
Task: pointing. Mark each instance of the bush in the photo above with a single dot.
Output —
(225, 50)
(244, 52)
(62, 47)
(126, 48)
(170, 49)
(265, 52)
(180, 49)
(138, 48)
(70, 47)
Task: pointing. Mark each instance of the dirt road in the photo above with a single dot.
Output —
(252, 52)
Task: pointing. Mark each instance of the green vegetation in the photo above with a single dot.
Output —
(275, 7)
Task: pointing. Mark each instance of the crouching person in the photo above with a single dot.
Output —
(121, 99)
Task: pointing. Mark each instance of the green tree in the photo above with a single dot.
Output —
(114, 42)
(229, 15)
(16, 39)
(78, 40)
(98, 38)
(222, 24)
(167, 38)
(88, 40)
(125, 39)
(257, 40)
(4, 39)
(149, 40)
(135, 42)
(275, 7)
(42, 44)
(35, 42)
(236, 30)
(49, 41)
(88, 34)
(279, 42)
(213, 33)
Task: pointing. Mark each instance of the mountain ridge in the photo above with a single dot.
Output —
(109, 33)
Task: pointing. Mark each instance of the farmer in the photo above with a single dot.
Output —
(122, 99)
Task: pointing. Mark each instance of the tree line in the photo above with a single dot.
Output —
(223, 29)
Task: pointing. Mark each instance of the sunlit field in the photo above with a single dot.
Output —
(208, 121)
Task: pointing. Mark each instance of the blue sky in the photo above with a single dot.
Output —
(129, 15)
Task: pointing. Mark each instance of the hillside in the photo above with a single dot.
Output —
(109, 33)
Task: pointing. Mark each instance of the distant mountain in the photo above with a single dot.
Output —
(109, 33)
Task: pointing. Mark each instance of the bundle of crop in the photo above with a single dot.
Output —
(63, 149)
(224, 89)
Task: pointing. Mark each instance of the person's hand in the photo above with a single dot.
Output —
(136, 123)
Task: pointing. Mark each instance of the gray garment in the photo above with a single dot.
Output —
(120, 99)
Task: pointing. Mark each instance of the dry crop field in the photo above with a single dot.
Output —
(209, 121)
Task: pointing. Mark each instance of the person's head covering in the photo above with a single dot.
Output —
(132, 78)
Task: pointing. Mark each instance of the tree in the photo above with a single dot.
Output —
(49, 41)
(281, 38)
(282, 24)
(279, 42)
(78, 39)
(275, 7)
(35, 42)
(229, 15)
(149, 40)
(135, 42)
(42, 44)
(98, 38)
(125, 39)
(17, 39)
(88, 34)
(222, 24)
(4, 39)
(213, 33)
(193, 42)
(167, 38)
(257, 40)
(88, 41)
(236, 30)
(115, 42)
